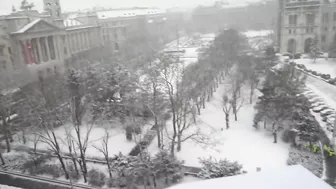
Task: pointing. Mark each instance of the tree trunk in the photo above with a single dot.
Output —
(198, 105)
(236, 117)
(275, 137)
(108, 167)
(172, 148)
(24, 136)
(251, 93)
(63, 166)
(265, 123)
(2, 159)
(179, 145)
(203, 102)
(154, 181)
(227, 120)
(8, 146)
(157, 128)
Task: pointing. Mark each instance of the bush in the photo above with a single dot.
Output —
(332, 81)
(54, 170)
(72, 172)
(314, 73)
(297, 55)
(96, 178)
(326, 76)
(211, 168)
(112, 182)
(301, 66)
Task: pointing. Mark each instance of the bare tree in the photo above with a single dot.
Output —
(45, 109)
(71, 148)
(227, 105)
(104, 150)
(79, 106)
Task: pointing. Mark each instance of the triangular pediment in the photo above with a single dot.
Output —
(38, 25)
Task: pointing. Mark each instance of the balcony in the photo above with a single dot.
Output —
(302, 4)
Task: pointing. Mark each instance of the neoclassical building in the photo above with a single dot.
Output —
(34, 44)
(302, 21)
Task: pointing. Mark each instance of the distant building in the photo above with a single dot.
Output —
(300, 22)
(34, 44)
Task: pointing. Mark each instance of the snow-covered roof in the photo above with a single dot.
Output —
(291, 177)
(127, 13)
(72, 22)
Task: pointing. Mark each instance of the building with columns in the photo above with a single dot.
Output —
(35, 44)
(303, 21)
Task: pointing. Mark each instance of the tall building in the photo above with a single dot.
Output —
(303, 21)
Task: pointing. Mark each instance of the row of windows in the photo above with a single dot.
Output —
(325, 17)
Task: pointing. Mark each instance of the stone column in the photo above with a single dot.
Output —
(39, 49)
(47, 46)
(87, 35)
(56, 47)
(34, 47)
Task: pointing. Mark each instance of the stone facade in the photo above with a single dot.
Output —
(301, 22)
(35, 44)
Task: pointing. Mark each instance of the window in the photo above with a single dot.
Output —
(307, 30)
(325, 17)
(3, 64)
(334, 28)
(310, 19)
(293, 19)
(289, 31)
(326, 29)
(9, 50)
(294, 31)
(334, 16)
(49, 71)
(2, 50)
(323, 39)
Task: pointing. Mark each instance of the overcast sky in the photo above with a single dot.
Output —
(73, 5)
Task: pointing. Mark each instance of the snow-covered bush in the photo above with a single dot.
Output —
(53, 170)
(211, 168)
(96, 178)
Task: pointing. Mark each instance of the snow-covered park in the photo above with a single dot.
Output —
(241, 143)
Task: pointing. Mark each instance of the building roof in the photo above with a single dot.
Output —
(291, 177)
(31, 24)
(127, 13)
(69, 22)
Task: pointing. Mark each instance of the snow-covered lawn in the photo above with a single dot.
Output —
(240, 143)
(117, 139)
(321, 65)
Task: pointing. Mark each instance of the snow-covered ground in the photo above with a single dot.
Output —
(240, 143)
(321, 65)
(117, 139)
(260, 33)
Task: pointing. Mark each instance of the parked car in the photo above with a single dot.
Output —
(327, 112)
(320, 108)
(315, 99)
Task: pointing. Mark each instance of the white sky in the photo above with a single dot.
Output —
(73, 5)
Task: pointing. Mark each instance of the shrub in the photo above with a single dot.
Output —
(297, 55)
(301, 66)
(112, 182)
(54, 170)
(211, 168)
(96, 178)
(72, 172)
(326, 76)
(332, 81)
(314, 72)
